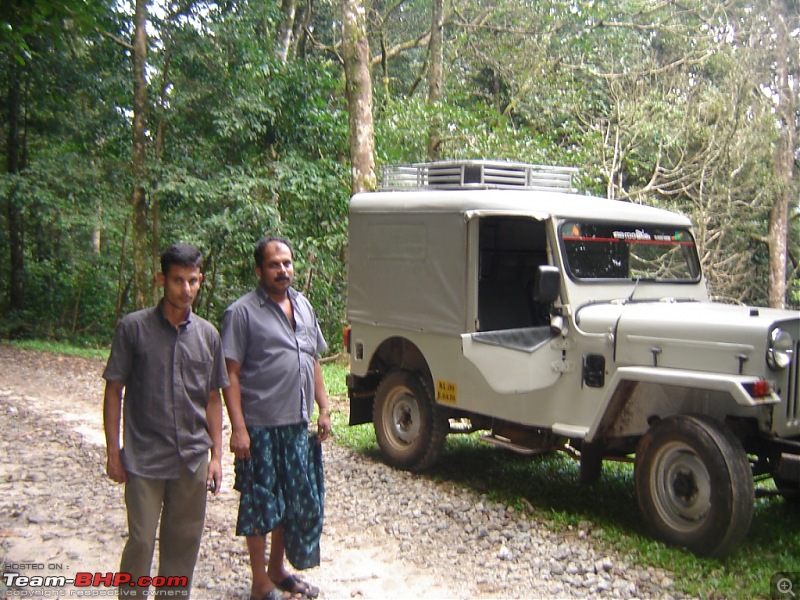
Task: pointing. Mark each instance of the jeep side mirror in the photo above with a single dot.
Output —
(546, 284)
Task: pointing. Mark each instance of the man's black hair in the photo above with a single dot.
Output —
(261, 245)
(184, 255)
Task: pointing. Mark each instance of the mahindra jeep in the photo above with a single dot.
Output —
(488, 296)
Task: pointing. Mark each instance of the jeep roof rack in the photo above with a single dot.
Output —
(476, 174)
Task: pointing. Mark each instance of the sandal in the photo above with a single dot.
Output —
(276, 594)
(295, 585)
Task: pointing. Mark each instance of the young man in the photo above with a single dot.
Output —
(169, 362)
(272, 341)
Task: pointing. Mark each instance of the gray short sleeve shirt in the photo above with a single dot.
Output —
(168, 374)
(277, 360)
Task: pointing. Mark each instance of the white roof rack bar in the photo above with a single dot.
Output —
(476, 174)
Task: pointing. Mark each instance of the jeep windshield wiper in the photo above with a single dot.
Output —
(633, 291)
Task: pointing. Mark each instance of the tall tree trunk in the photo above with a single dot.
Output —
(286, 28)
(302, 22)
(14, 217)
(387, 92)
(359, 96)
(778, 235)
(141, 281)
(435, 80)
(158, 154)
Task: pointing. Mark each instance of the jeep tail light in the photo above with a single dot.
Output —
(346, 339)
(759, 389)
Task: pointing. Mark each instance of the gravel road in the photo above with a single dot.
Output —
(388, 534)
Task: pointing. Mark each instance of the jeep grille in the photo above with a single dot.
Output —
(793, 395)
(477, 174)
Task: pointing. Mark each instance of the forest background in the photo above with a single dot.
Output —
(129, 124)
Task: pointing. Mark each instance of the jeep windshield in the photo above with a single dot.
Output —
(631, 252)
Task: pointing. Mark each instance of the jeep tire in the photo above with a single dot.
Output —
(694, 484)
(408, 424)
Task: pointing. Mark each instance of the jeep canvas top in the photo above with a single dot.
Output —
(489, 296)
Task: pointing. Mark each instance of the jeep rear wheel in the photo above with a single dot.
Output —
(694, 484)
(408, 424)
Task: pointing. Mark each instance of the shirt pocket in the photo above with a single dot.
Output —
(307, 334)
(196, 378)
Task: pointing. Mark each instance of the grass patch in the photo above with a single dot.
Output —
(335, 376)
(546, 488)
(59, 348)
(360, 438)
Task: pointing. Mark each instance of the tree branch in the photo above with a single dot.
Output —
(116, 40)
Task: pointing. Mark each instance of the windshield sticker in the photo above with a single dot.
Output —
(573, 233)
(639, 235)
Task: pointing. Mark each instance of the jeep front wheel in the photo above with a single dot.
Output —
(694, 484)
(408, 424)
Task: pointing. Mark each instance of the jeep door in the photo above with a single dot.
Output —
(512, 345)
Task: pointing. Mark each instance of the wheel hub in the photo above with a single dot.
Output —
(682, 487)
(405, 418)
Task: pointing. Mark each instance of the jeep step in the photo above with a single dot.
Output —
(504, 442)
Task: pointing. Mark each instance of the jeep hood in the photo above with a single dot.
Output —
(703, 336)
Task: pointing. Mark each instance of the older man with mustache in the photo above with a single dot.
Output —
(272, 342)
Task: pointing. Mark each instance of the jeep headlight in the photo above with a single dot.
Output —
(780, 349)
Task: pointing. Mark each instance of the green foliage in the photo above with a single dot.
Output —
(466, 134)
(242, 154)
(314, 196)
(22, 21)
(64, 189)
(266, 158)
(655, 106)
(222, 215)
(71, 283)
(302, 200)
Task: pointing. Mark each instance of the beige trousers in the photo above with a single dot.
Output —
(181, 506)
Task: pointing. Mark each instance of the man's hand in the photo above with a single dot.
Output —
(214, 478)
(240, 443)
(240, 439)
(112, 416)
(114, 468)
(324, 427)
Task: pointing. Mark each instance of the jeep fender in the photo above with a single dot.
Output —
(636, 394)
(395, 352)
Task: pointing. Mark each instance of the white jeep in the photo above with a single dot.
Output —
(488, 296)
